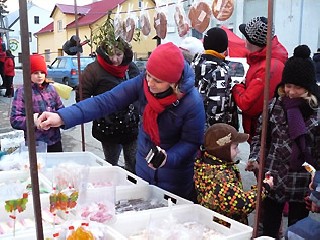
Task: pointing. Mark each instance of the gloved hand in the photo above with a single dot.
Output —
(156, 157)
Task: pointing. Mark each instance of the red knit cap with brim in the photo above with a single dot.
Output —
(166, 63)
(37, 63)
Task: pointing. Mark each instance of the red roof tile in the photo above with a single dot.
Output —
(46, 29)
(89, 13)
(97, 10)
(69, 9)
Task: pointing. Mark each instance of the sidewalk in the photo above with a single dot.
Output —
(5, 113)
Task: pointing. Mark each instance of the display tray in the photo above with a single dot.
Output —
(145, 197)
(139, 224)
(114, 176)
(26, 228)
(81, 158)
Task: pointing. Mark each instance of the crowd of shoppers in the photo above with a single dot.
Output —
(177, 141)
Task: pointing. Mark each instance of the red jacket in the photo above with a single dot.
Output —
(9, 67)
(249, 96)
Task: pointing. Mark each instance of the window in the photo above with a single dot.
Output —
(30, 37)
(62, 63)
(59, 25)
(196, 34)
(47, 55)
(141, 3)
(36, 19)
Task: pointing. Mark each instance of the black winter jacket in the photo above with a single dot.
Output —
(96, 80)
(316, 59)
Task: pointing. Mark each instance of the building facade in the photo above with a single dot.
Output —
(52, 37)
(37, 19)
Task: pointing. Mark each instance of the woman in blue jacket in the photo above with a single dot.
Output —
(172, 118)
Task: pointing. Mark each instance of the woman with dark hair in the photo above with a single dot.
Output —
(117, 131)
(9, 73)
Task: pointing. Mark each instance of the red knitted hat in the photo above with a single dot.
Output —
(37, 63)
(166, 63)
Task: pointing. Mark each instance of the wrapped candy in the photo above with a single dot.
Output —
(81, 233)
(15, 197)
(309, 168)
(17, 204)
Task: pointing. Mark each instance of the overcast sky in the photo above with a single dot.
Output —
(46, 4)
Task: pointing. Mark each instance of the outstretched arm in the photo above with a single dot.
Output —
(48, 120)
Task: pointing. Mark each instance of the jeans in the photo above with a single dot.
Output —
(112, 153)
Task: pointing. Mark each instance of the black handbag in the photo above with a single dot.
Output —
(122, 122)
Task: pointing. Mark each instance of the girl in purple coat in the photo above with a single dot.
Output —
(172, 126)
(44, 98)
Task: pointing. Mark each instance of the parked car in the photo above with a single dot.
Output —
(64, 69)
(141, 64)
(238, 68)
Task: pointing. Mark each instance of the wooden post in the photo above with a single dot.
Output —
(265, 119)
(23, 11)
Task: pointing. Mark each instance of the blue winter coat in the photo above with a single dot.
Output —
(181, 129)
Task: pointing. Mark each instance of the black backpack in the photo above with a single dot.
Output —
(214, 84)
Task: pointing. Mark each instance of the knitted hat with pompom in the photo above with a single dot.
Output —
(299, 70)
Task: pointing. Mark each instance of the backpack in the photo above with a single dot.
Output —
(214, 84)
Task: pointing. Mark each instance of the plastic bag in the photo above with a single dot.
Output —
(160, 21)
(181, 20)
(63, 90)
(200, 15)
(145, 21)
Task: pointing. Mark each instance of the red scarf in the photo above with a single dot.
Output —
(117, 71)
(154, 107)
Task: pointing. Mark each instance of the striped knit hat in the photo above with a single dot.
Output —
(255, 31)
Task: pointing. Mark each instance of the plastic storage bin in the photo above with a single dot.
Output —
(82, 158)
(130, 224)
(151, 195)
(114, 176)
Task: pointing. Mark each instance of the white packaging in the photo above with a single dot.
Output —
(81, 158)
(131, 224)
(150, 194)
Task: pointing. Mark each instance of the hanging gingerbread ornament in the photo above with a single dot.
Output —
(199, 15)
(181, 20)
(160, 23)
(222, 9)
(118, 24)
(145, 21)
(129, 25)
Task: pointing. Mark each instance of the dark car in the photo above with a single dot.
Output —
(141, 64)
(64, 69)
(238, 68)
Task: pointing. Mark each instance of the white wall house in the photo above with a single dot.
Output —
(37, 19)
